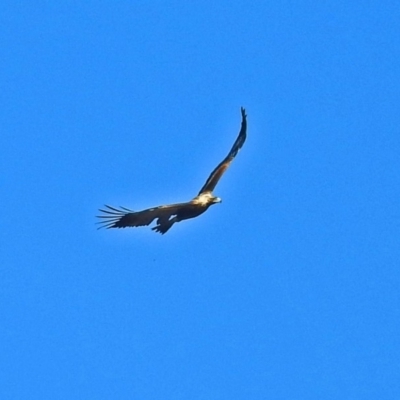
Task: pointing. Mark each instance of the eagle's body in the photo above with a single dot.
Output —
(169, 214)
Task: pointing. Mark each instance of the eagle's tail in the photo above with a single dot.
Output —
(164, 226)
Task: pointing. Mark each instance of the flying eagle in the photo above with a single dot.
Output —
(167, 215)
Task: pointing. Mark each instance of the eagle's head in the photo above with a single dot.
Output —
(207, 199)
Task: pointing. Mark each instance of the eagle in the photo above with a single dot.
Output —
(167, 215)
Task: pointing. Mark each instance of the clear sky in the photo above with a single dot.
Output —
(289, 289)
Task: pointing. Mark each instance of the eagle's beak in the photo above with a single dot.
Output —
(217, 200)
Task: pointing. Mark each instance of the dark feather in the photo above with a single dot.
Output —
(123, 217)
(215, 176)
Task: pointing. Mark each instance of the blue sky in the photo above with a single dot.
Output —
(289, 289)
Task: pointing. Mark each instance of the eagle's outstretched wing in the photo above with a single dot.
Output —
(223, 165)
(124, 217)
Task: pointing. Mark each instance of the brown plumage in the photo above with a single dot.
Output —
(169, 214)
